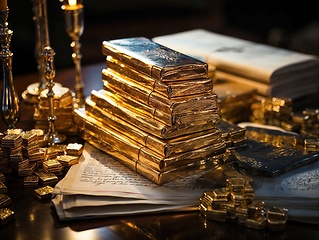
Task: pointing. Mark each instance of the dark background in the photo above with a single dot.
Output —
(281, 23)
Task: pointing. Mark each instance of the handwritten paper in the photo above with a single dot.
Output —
(101, 186)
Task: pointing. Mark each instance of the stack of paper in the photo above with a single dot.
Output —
(297, 190)
(156, 110)
(272, 71)
(100, 186)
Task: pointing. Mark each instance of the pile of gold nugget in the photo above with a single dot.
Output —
(274, 111)
(156, 113)
(235, 203)
(23, 153)
(234, 100)
(309, 122)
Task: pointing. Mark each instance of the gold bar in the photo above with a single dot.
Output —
(167, 89)
(170, 119)
(6, 215)
(145, 123)
(155, 60)
(163, 147)
(62, 98)
(158, 177)
(145, 155)
(127, 87)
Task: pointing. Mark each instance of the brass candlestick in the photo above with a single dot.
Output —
(41, 38)
(30, 95)
(9, 100)
(74, 24)
(52, 136)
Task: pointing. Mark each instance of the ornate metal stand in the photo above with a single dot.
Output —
(74, 24)
(52, 136)
(30, 95)
(9, 100)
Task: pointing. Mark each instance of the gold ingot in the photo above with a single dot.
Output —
(256, 223)
(217, 215)
(256, 209)
(155, 60)
(235, 185)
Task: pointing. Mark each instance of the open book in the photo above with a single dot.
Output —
(240, 59)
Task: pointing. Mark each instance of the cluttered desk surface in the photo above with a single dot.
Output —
(37, 219)
(154, 151)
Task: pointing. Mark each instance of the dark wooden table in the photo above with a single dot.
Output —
(37, 220)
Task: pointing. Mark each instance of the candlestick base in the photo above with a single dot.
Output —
(31, 94)
(52, 138)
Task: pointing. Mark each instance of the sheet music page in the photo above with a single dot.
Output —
(98, 174)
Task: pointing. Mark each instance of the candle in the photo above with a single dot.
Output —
(3, 5)
(72, 5)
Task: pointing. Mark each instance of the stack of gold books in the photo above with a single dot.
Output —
(63, 111)
(156, 113)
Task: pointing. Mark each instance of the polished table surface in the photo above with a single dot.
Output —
(37, 219)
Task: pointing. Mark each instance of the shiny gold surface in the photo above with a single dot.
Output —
(6, 215)
(127, 146)
(168, 89)
(164, 147)
(144, 122)
(158, 177)
(155, 60)
(192, 103)
(43, 192)
(233, 204)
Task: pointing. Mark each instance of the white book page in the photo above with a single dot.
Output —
(99, 174)
(246, 58)
(71, 201)
(113, 210)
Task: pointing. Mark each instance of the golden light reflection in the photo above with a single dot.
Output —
(72, 2)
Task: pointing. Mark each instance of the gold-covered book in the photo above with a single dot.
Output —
(193, 103)
(164, 147)
(155, 60)
(127, 146)
(147, 123)
(156, 176)
(168, 89)
(156, 113)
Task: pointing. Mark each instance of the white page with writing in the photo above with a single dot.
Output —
(100, 175)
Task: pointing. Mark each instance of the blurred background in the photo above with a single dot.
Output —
(287, 24)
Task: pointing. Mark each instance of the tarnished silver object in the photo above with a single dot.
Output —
(74, 25)
(52, 136)
(272, 152)
(10, 109)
